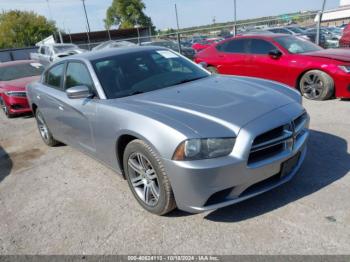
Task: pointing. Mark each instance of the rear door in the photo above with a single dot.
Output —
(233, 58)
(48, 97)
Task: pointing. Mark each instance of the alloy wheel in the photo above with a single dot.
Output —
(143, 178)
(44, 131)
(312, 86)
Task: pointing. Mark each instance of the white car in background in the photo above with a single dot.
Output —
(49, 53)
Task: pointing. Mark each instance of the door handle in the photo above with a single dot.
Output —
(60, 108)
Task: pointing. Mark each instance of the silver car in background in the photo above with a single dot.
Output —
(179, 135)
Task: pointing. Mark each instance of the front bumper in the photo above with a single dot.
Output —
(210, 184)
(17, 105)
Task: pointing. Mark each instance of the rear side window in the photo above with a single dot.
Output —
(54, 76)
(260, 47)
(234, 46)
(78, 75)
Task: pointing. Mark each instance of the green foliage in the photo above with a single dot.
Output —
(127, 14)
(22, 28)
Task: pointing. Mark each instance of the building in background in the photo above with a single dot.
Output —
(337, 16)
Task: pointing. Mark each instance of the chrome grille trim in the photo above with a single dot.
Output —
(285, 139)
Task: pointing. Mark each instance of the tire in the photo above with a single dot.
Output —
(316, 85)
(150, 184)
(212, 70)
(44, 131)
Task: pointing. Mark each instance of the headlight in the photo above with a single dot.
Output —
(196, 149)
(16, 93)
(345, 68)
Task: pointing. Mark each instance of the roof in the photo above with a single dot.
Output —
(342, 12)
(94, 55)
(263, 35)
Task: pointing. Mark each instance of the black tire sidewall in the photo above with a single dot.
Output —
(138, 146)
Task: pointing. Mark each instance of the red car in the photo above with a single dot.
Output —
(203, 44)
(345, 39)
(318, 73)
(14, 76)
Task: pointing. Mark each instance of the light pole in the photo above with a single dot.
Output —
(320, 14)
(178, 30)
(235, 18)
(86, 16)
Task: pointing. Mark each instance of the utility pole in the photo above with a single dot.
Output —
(235, 18)
(178, 30)
(86, 16)
(87, 23)
(320, 14)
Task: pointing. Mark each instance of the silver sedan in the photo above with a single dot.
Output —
(180, 136)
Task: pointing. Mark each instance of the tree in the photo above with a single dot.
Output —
(22, 28)
(127, 14)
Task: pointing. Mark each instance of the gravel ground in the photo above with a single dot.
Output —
(59, 201)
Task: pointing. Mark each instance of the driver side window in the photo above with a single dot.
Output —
(78, 75)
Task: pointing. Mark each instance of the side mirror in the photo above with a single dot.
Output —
(203, 65)
(275, 54)
(77, 92)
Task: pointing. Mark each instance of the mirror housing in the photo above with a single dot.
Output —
(275, 54)
(77, 92)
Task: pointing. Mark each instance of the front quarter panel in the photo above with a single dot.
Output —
(112, 122)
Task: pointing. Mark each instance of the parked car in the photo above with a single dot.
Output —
(318, 73)
(14, 76)
(292, 30)
(180, 136)
(345, 38)
(331, 41)
(113, 44)
(201, 45)
(186, 51)
(51, 52)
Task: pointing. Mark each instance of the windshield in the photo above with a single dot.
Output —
(296, 30)
(18, 71)
(63, 48)
(296, 45)
(144, 71)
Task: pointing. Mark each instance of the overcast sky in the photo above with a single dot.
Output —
(69, 15)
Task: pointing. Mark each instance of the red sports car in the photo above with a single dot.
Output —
(318, 73)
(14, 76)
(203, 44)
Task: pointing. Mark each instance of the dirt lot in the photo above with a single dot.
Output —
(59, 201)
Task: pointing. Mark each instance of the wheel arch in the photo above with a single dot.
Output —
(297, 83)
(123, 140)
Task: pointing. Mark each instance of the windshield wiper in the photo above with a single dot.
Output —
(188, 80)
(136, 93)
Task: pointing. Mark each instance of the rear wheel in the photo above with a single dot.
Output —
(316, 85)
(147, 179)
(44, 130)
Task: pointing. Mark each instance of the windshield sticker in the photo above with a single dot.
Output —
(167, 54)
(36, 65)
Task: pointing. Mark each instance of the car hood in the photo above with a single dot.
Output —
(340, 54)
(18, 84)
(216, 102)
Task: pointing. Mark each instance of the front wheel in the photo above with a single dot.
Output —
(147, 179)
(316, 85)
(44, 130)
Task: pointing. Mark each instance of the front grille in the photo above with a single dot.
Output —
(277, 140)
